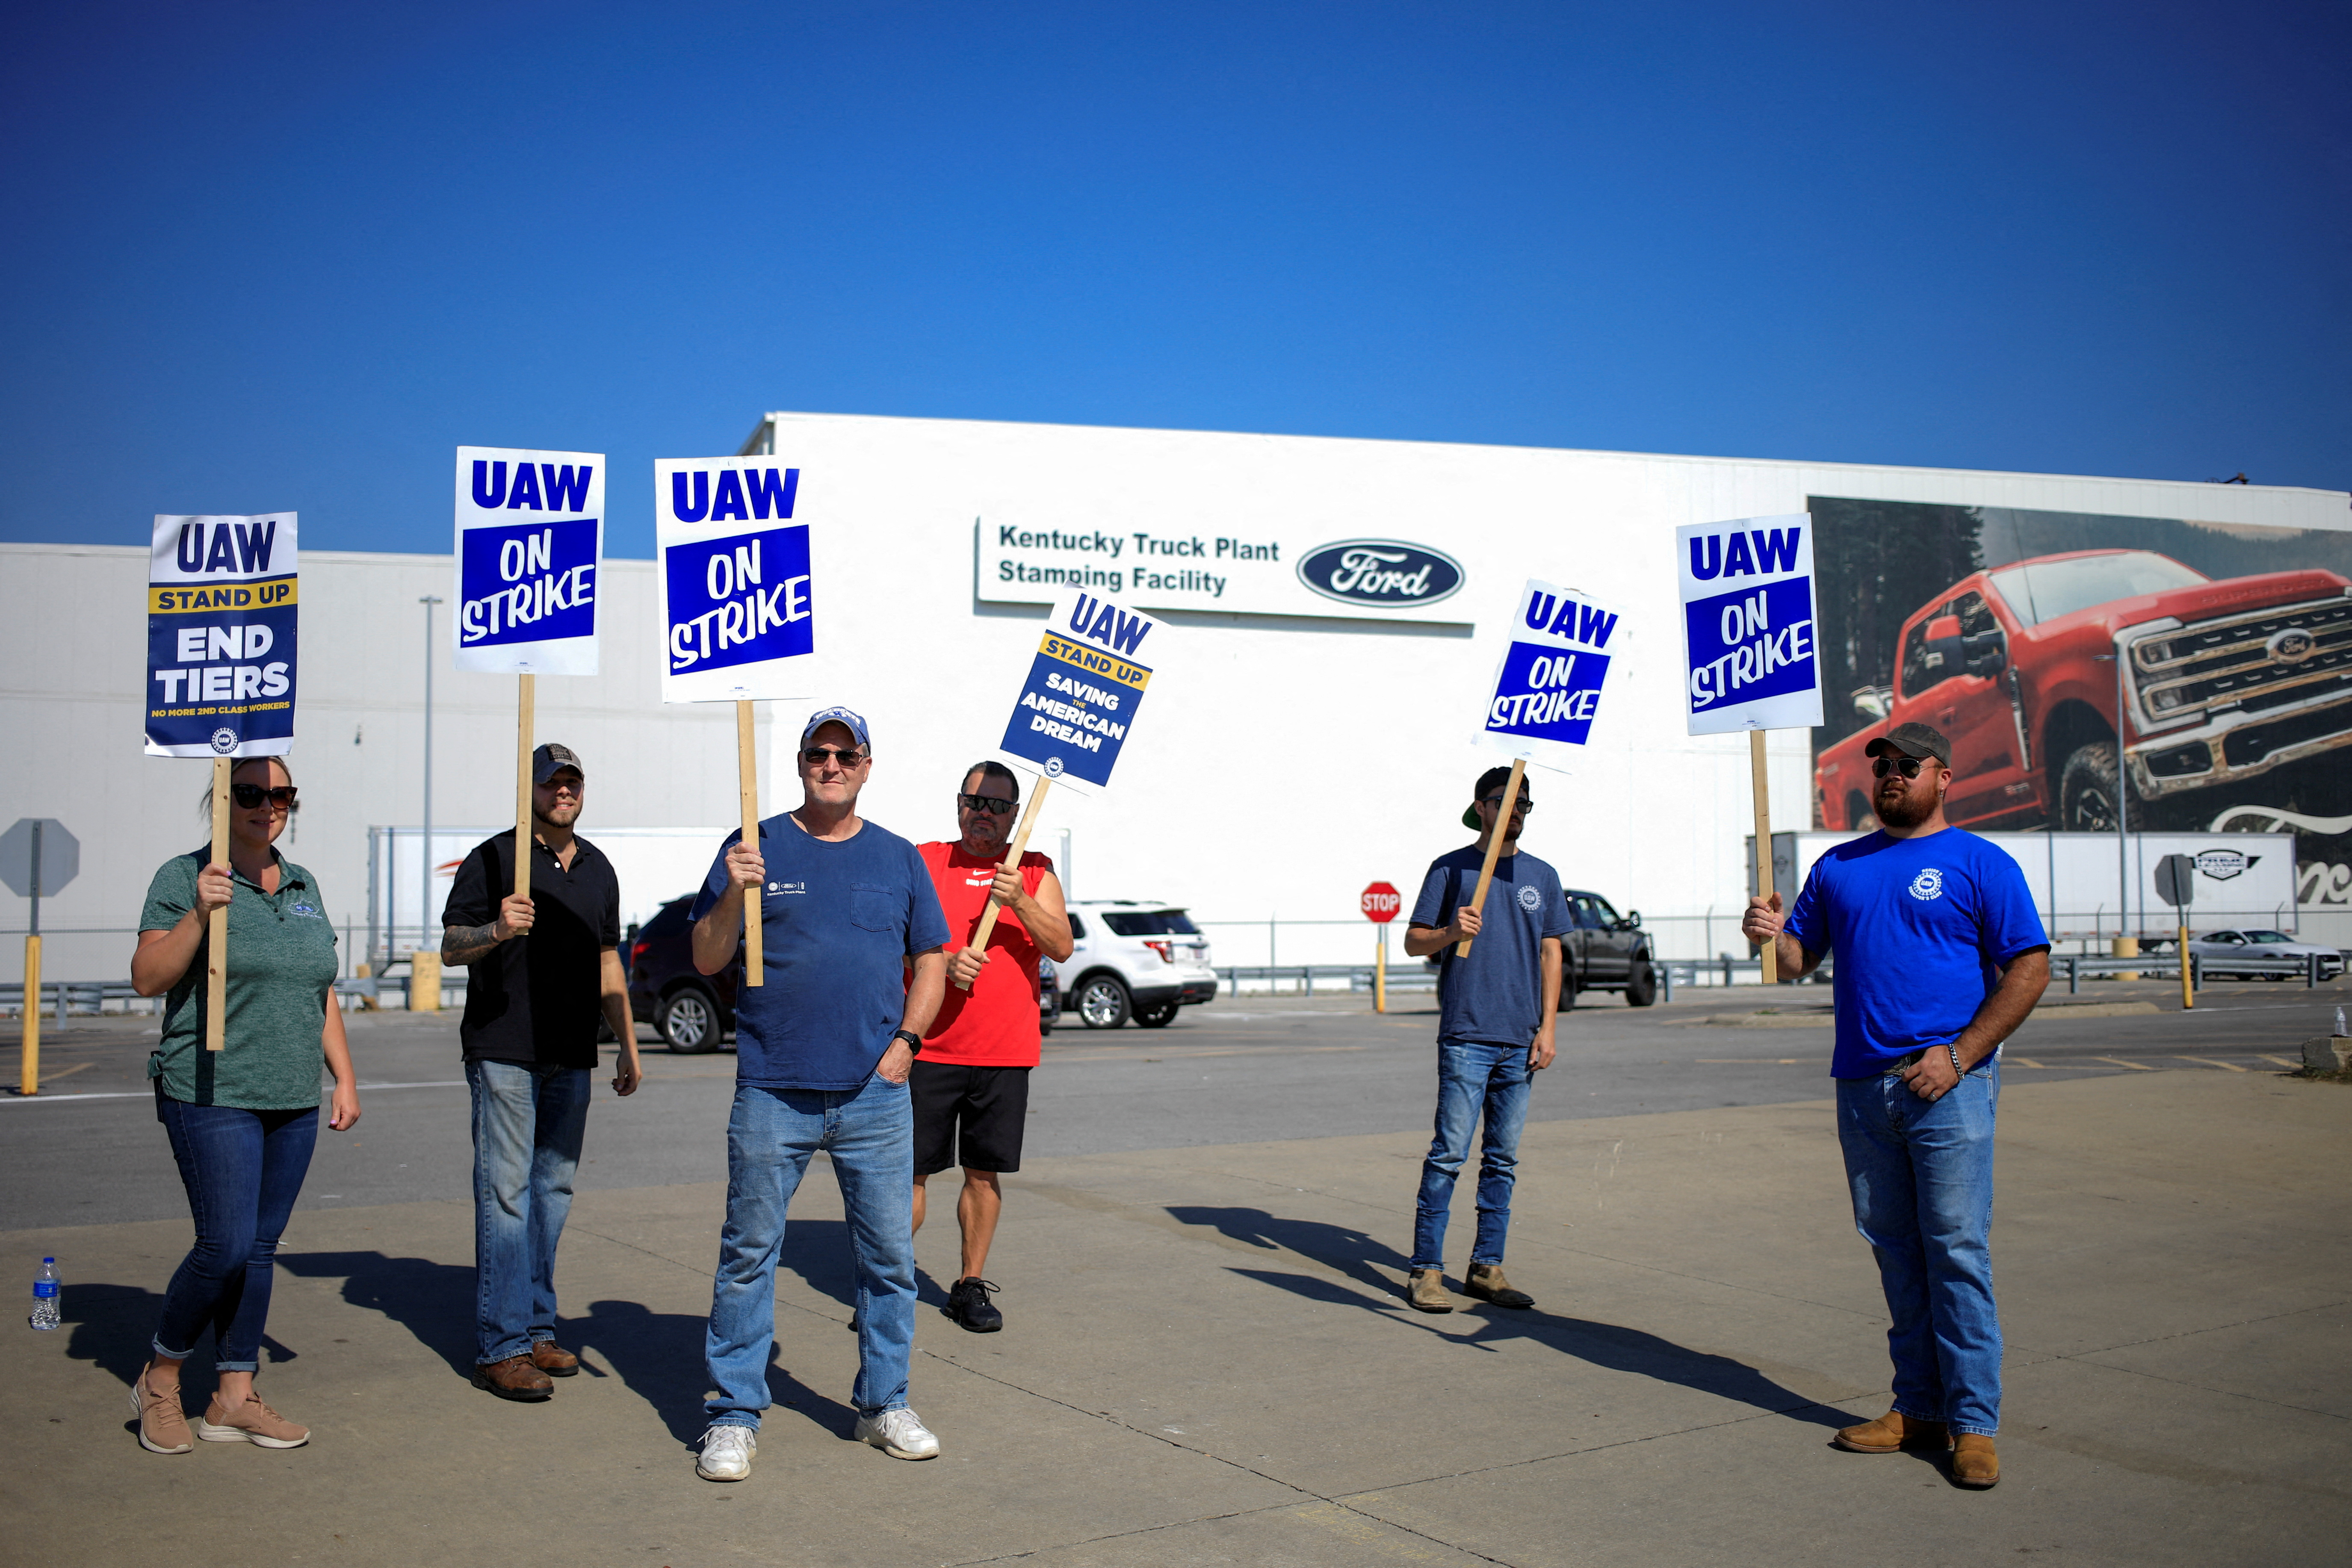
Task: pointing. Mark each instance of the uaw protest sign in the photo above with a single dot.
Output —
(1748, 635)
(737, 607)
(221, 605)
(1080, 701)
(1548, 683)
(530, 533)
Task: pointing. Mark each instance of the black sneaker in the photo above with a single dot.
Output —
(969, 1305)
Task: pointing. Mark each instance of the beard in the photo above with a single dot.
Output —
(560, 817)
(1905, 809)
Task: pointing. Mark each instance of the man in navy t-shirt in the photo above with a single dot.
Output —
(823, 1048)
(1940, 957)
(1495, 1010)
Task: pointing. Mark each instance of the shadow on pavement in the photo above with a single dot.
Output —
(658, 1355)
(433, 1301)
(1359, 1257)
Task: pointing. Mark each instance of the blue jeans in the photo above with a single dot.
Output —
(1921, 1174)
(242, 1170)
(1471, 1076)
(528, 1122)
(770, 1135)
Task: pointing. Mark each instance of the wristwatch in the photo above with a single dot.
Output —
(913, 1041)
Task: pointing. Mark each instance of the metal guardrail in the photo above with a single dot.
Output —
(64, 998)
(2311, 968)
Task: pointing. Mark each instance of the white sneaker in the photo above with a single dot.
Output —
(898, 1433)
(727, 1454)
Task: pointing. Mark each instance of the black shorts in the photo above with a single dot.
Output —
(989, 1107)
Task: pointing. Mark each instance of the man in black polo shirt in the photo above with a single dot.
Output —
(543, 967)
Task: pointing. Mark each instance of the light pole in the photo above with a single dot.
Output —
(424, 886)
(2127, 944)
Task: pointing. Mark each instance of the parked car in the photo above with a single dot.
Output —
(2223, 681)
(2215, 949)
(694, 1011)
(1606, 952)
(1134, 959)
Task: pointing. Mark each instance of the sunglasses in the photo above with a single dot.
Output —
(1524, 807)
(849, 757)
(249, 795)
(1909, 766)
(987, 803)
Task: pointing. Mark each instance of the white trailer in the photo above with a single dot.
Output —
(2080, 879)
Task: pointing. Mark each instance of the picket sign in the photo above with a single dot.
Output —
(531, 540)
(1749, 641)
(222, 607)
(1076, 708)
(1546, 696)
(737, 622)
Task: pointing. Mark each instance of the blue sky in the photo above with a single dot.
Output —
(266, 254)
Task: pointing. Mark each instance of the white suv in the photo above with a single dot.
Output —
(1133, 958)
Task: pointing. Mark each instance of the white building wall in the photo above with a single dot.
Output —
(1282, 764)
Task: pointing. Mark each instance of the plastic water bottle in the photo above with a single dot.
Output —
(45, 1296)
(2340, 1030)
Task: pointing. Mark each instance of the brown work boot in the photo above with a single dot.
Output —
(514, 1378)
(162, 1425)
(553, 1359)
(251, 1421)
(1974, 1464)
(1487, 1283)
(1891, 1433)
(1426, 1290)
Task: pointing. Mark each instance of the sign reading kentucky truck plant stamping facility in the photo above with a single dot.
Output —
(1080, 701)
(530, 534)
(1748, 626)
(221, 610)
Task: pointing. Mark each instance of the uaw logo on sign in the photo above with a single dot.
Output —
(221, 618)
(1748, 631)
(530, 534)
(1547, 690)
(1380, 572)
(1078, 704)
(737, 599)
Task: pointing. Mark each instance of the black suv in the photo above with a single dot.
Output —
(1606, 952)
(693, 1012)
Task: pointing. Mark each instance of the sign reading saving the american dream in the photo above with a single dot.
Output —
(530, 532)
(735, 603)
(1082, 688)
(1747, 623)
(221, 607)
(1547, 690)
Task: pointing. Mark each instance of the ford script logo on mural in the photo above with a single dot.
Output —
(1380, 572)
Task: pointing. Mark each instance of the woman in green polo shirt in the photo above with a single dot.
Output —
(242, 1119)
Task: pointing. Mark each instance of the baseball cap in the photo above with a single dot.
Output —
(1912, 741)
(552, 759)
(855, 723)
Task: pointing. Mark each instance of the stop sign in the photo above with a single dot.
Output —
(1382, 903)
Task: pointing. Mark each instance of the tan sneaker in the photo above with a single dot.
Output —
(251, 1421)
(1974, 1463)
(1891, 1433)
(162, 1425)
(1426, 1290)
(1486, 1282)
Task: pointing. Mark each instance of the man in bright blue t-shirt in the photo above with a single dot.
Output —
(853, 968)
(1940, 957)
(1494, 1017)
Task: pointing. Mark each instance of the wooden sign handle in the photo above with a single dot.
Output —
(524, 697)
(1770, 952)
(216, 932)
(981, 932)
(1495, 846)
(747, 779)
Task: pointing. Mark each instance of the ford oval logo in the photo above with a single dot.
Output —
(2292, 646)
(1380, 572)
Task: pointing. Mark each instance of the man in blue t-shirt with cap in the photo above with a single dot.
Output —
(1940, 957)
(1495, 1013)
(852, 965)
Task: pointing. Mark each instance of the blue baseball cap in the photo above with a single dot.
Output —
(853, 723)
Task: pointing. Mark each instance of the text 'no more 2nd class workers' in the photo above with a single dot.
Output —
(1155, 563)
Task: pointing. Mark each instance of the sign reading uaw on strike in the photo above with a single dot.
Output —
(1547, 690)
(735, 579)
(530, 532)
(221, 605)
(1747, 625)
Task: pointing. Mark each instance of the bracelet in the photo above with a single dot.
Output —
(1956, 1067)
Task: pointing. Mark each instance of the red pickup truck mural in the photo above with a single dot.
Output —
(2223, 681)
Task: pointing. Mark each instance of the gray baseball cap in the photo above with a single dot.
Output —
(552, 759)
(1912, 741)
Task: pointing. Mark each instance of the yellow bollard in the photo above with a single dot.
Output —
(424, 982)
(29, 1081)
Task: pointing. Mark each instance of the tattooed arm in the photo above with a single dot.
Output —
(463, 944)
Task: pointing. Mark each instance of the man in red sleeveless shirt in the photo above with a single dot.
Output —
(971, 1083)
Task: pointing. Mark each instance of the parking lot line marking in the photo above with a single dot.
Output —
(2021, 1061)
(2281, 1061)
(2136, 1066)
(1761, 1061)
(2208, 1061)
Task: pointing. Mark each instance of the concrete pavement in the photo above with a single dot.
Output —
(1208, 1362)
